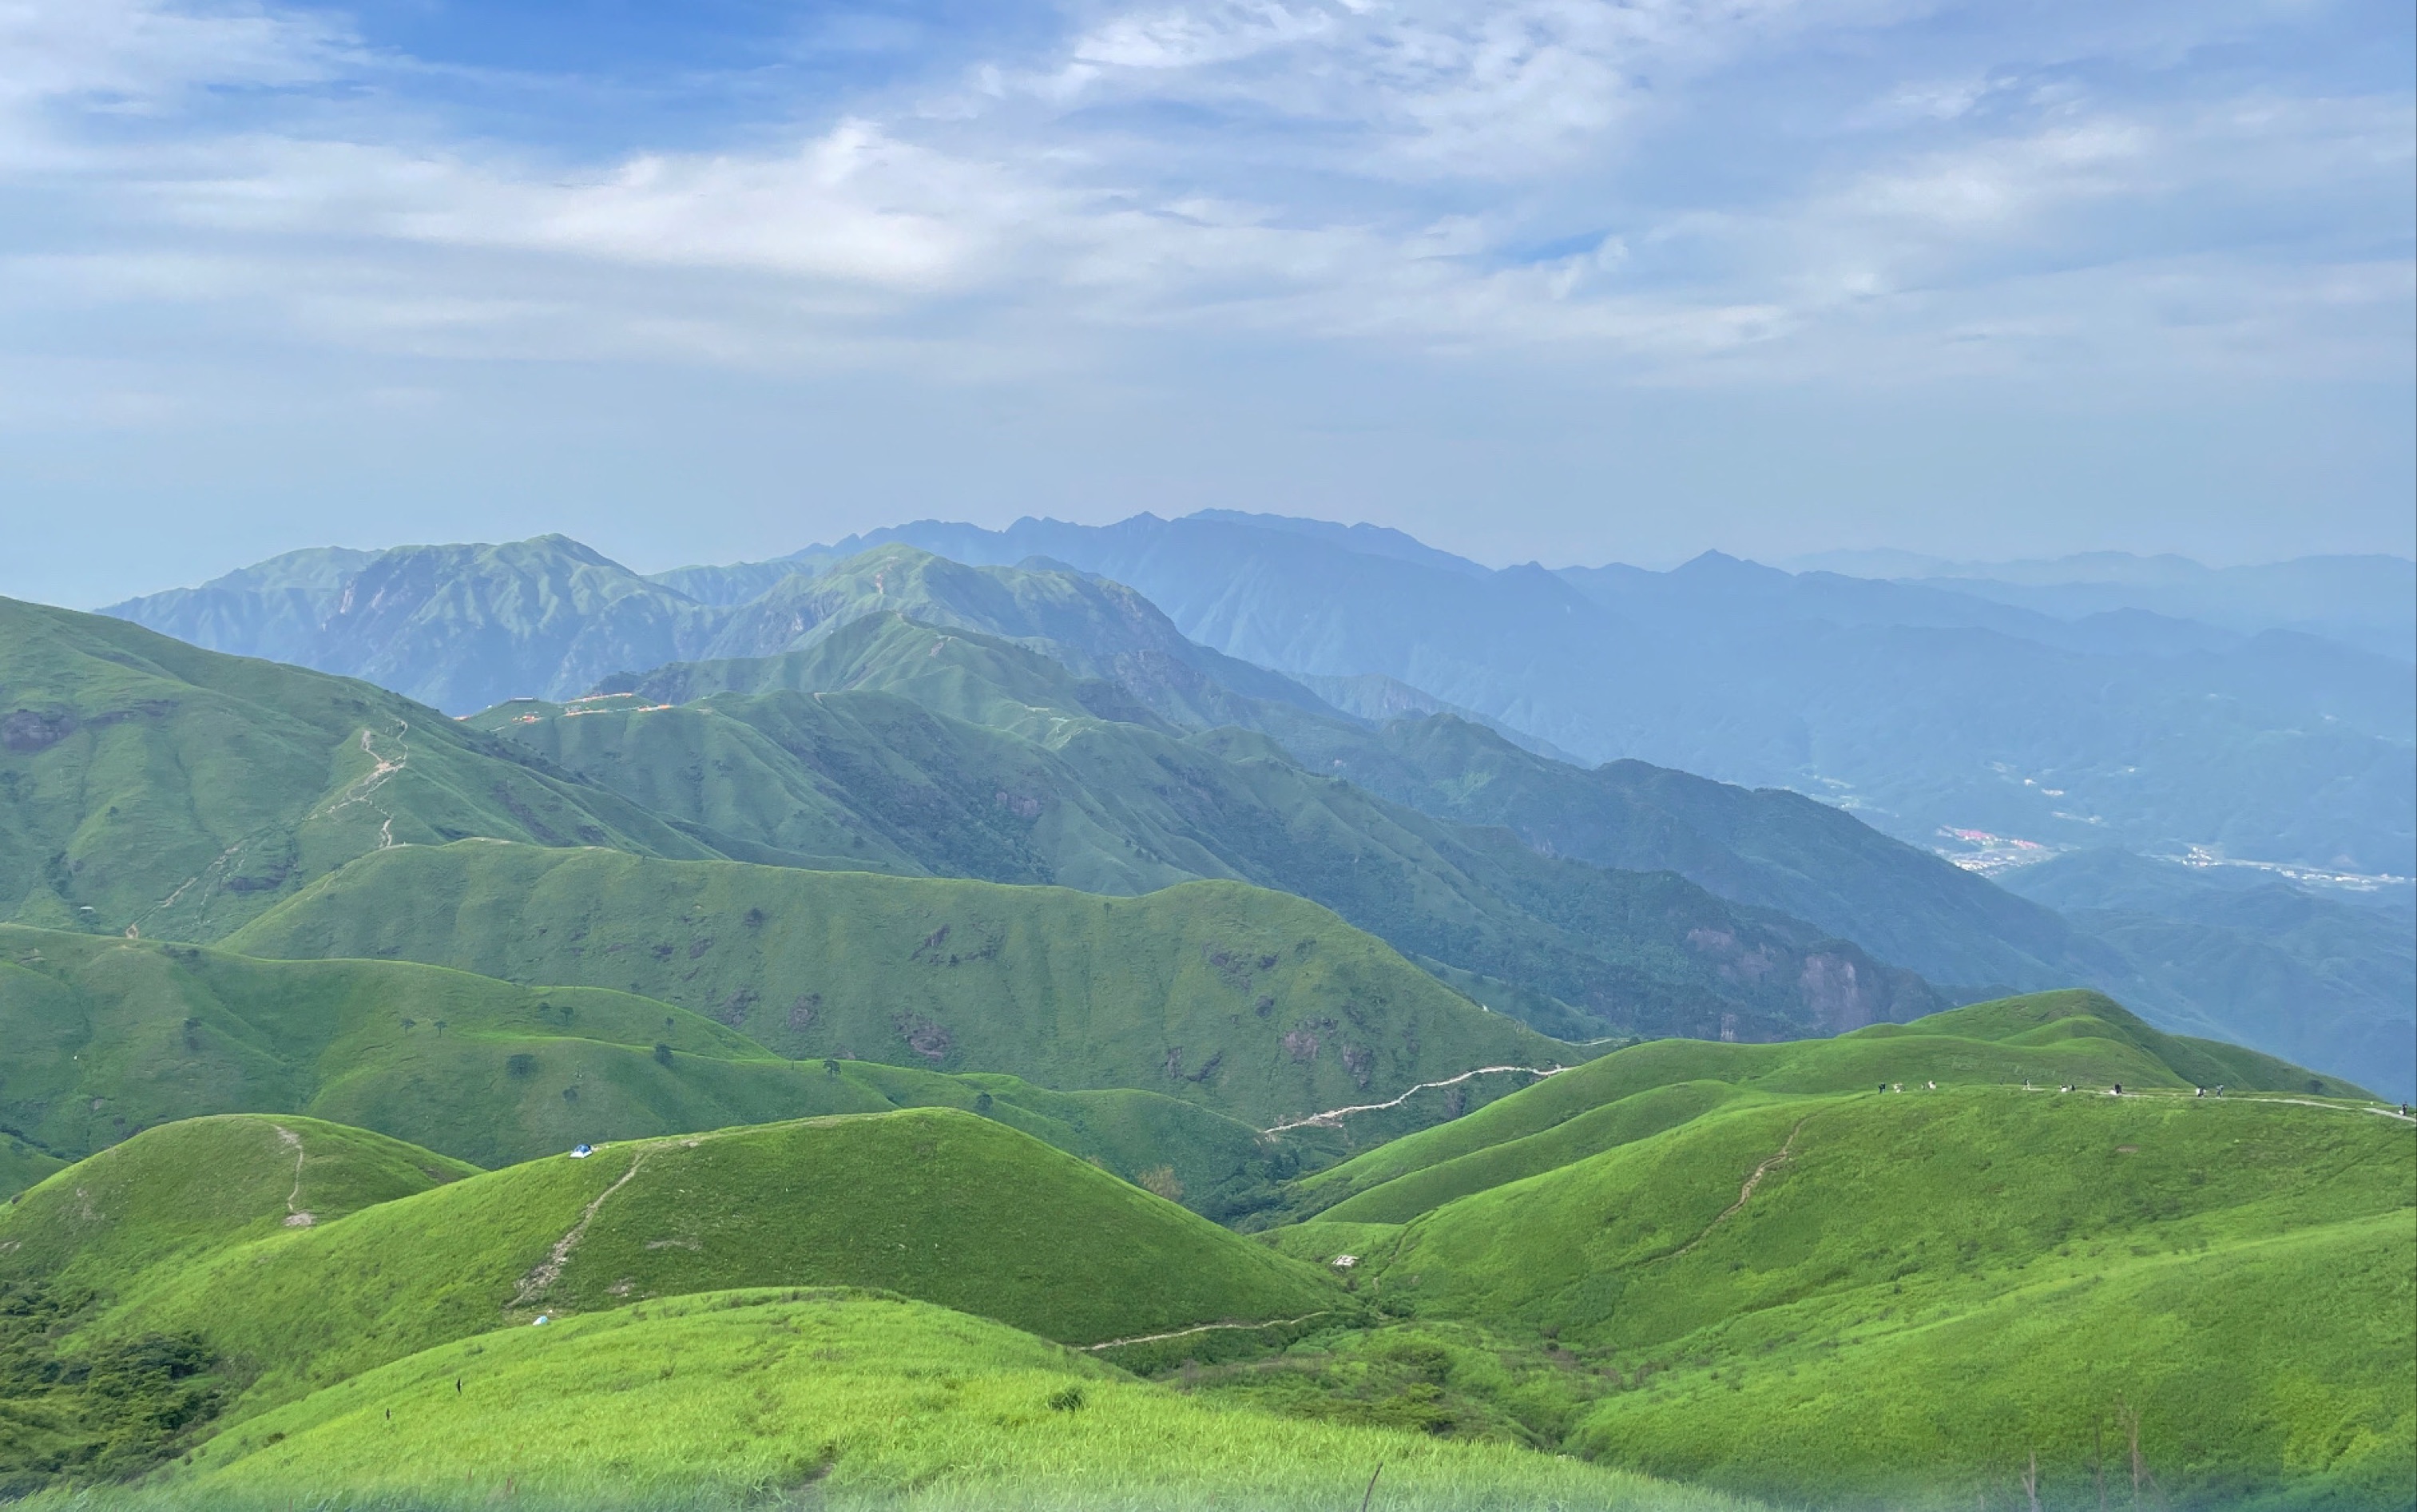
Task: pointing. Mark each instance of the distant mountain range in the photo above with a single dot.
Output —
(1923, 709)
(2367, 601)
(1443, 690)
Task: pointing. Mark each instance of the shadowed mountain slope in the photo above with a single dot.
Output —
(458, 627)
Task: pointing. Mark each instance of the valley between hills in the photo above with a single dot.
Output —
(904, 1031)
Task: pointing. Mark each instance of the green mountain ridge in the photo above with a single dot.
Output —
(2330, 980)
(1795, 1286)
(2052, 1039)
(148, 786)
(111, 1038)
(1245, 1002)
(1003, 767)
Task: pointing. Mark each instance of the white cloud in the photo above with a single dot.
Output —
(1359, 172)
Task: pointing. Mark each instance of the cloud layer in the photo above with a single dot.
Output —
(202, 204)
(1687, 190)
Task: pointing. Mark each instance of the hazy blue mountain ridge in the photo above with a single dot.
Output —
(1972, 715)
(457, 627)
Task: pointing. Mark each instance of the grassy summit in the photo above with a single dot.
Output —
(111, 1405)
(169, 1196)
(1233, 997)
(1903, 1290)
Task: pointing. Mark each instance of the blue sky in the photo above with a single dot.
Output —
(1532, 279)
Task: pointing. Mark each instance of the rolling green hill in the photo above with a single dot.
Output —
(108, 1037)
(1907, 1295)
(852, 1399)
(934, 1203)
(826, 761)
(148, 786)
(1749, 1266)
(162, 1202)
(2047, 1039)
(1246, 1002)
(168, 1196)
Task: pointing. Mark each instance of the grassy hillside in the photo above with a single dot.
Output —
(861, 781)
(1247, 1001)
(108, 1037)
(113, 1405)
(2049, 1039)
(849, 1399)
(1923, 1289)
(961, 673)
(933, 1203)
(146, 785)
(1018, 771)
(169, 1195)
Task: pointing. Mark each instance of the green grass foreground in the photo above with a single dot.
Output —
(828, 1400)
(1898, 1300)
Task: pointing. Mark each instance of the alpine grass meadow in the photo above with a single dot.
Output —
(1174, 756)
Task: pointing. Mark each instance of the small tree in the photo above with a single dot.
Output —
(521, 1065)
(662, 1053)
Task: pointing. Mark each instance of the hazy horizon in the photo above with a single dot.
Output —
(1863, 561)
(1548, 279)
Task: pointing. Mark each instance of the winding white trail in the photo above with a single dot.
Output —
(1203, 1328)
(1333, 1116)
